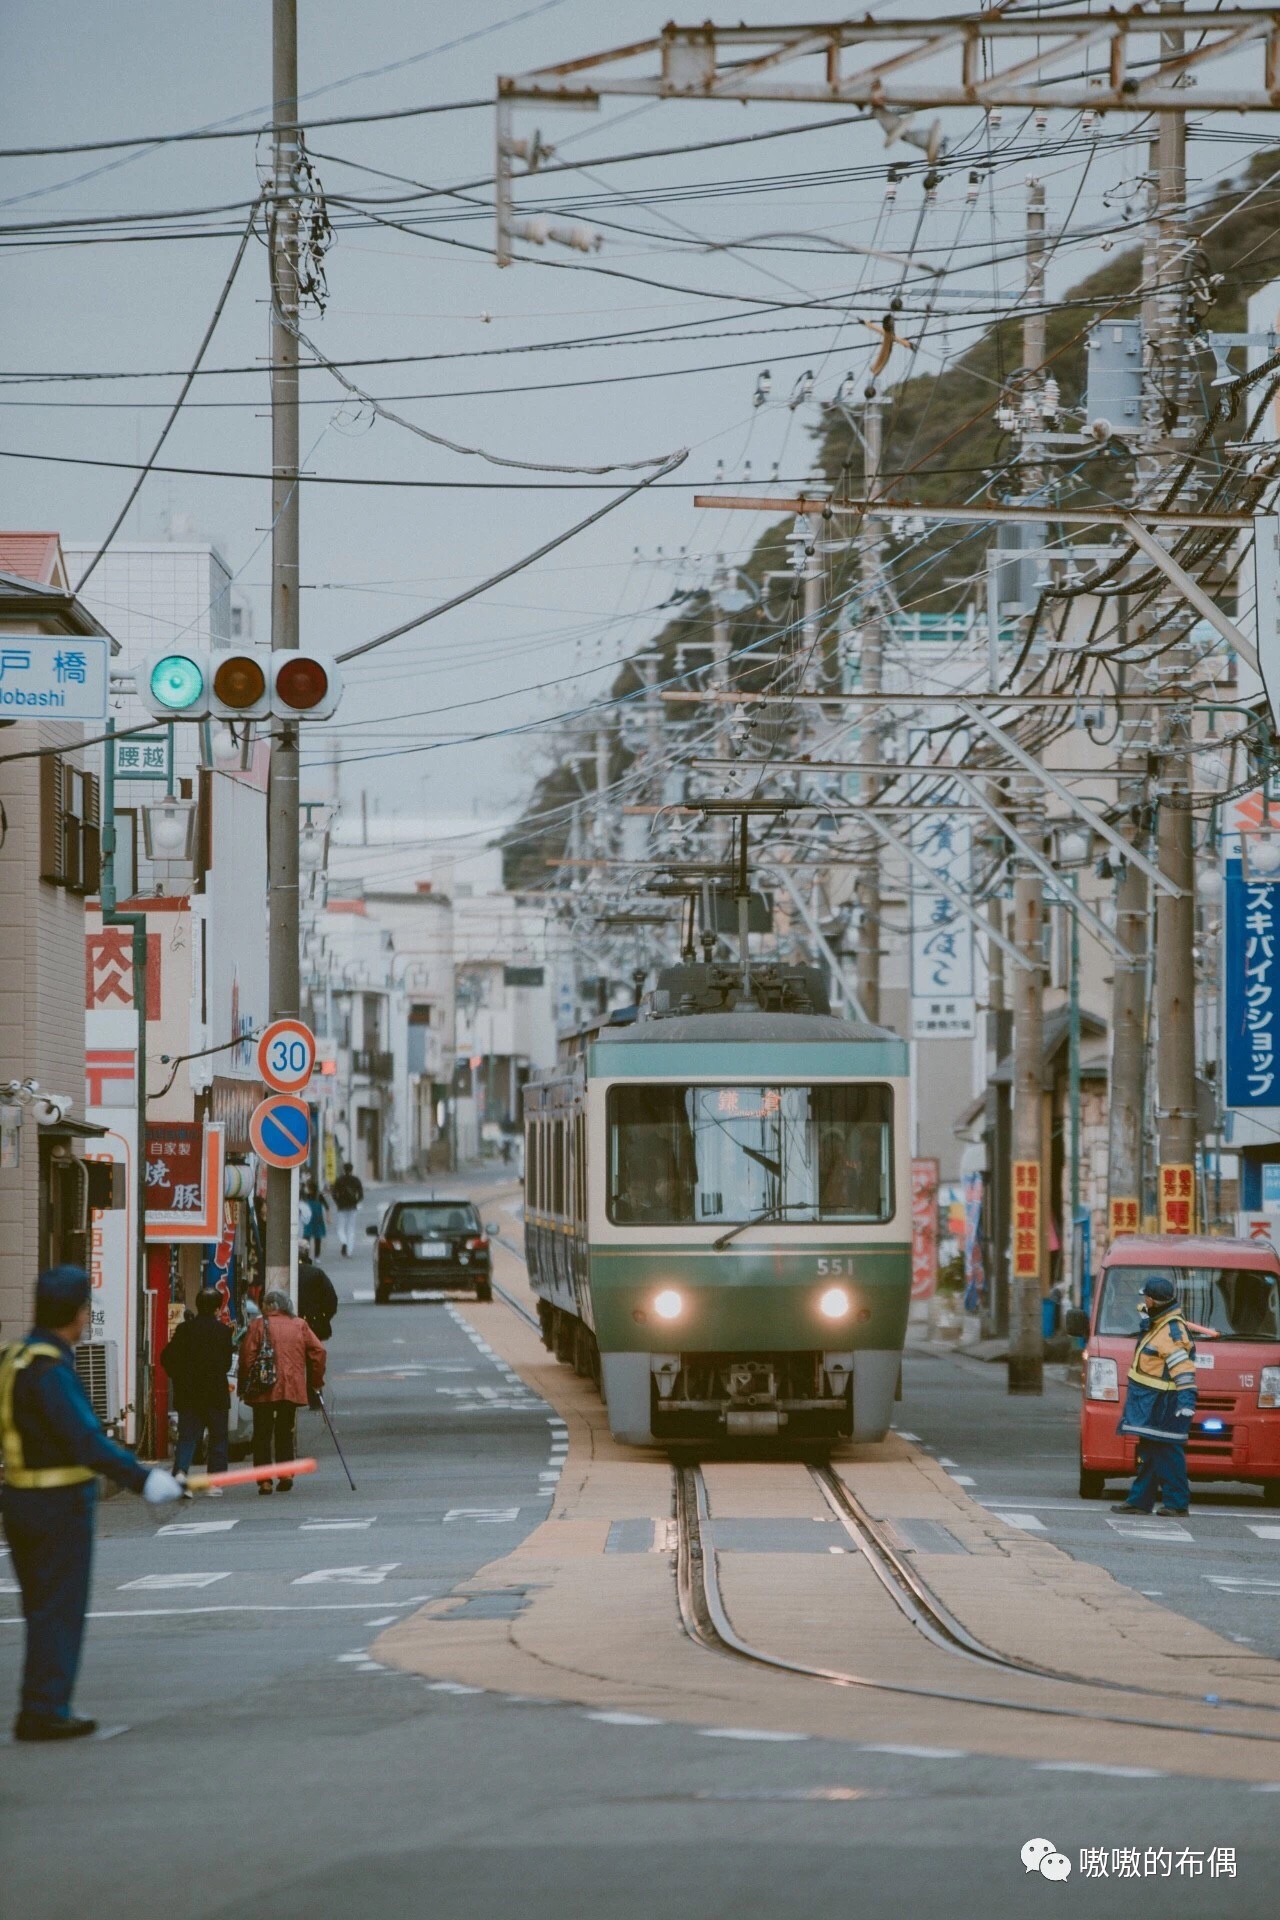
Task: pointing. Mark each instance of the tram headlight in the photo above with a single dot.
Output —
(834, 1304)
(668, 1305)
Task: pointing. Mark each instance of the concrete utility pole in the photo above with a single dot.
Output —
(1175, 918)
(1128, 1022)
(284, 986)
(1029, 1185)
(870, 680)
(720, 655)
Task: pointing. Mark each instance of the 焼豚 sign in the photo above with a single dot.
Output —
(1252, 989)
(53, 676)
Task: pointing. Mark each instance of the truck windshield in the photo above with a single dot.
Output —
(680, 1155)
(1236, 1303)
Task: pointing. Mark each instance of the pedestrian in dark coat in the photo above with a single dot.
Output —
(198, 1363)
(298, 1363)
(54, 1449)
(1159, 1404)
(317, 1299)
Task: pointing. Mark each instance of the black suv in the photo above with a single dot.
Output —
(431, 1244)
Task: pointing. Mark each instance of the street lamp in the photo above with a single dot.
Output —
(168, 828)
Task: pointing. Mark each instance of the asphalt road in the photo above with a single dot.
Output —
(266, 1766)
(1019, 1456)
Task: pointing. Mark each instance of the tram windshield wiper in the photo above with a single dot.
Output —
(766, 1213)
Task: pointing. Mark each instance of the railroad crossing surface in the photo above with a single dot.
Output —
(467, 1689)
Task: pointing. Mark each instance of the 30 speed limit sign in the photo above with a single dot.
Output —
(286, 1055)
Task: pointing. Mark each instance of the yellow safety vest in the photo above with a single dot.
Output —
(1164, 1357)
(13, 1361)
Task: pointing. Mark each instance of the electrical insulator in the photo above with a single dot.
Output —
(1051, 396)
(764, 387)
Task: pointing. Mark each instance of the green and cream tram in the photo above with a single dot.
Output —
(718, 1213)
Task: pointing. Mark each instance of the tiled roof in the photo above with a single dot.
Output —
(33, 556)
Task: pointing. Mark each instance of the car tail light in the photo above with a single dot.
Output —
(388, 1245)
(1269, 1387)
(477, 1245)
(1103, 1380)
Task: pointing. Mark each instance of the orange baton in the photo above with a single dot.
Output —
(246, 1476)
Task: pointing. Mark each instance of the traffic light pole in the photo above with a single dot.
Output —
(284, 982)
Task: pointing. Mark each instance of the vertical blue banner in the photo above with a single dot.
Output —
(1251, 989)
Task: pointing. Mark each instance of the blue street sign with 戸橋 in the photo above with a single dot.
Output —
(1251, 989)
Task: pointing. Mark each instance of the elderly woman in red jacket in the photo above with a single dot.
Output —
(281, 1367)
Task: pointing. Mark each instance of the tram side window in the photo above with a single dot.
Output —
(531, 1170)
(557, 1168)
(580, 1129)
(685, 1155)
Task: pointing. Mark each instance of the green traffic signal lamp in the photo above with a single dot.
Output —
(176, 686)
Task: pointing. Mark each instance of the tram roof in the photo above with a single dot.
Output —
(740, 1042)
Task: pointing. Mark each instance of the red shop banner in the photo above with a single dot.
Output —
(924, 1229)
(184, 1179)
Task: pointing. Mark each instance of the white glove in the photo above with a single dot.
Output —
(159, 1487)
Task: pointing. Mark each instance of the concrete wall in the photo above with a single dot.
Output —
(41, 1000)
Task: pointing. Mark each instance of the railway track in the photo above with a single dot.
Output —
(706, 1619)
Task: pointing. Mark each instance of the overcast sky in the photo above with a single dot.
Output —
(373, 556)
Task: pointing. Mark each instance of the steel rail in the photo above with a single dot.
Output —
(706, 1620)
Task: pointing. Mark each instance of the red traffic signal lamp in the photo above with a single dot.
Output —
(304, 686)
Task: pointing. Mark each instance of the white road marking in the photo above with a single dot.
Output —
(383, 1620)
(944, 1462)
(624, 1719)
(155, 1582)
(334, 1526)
(746, 1733)
(1026, 1521)
(196, 1526)
(450, 1686)
(1264, 1533)
(359, 1576)
(916, 1753)
(346, 1658)
(904, 1435)
(1088, 1766)
(170, 1613)
(1236, 1583)
(962, 1479)
(1266, 1786)
(484, 1516)
(1139, 1529)
(371, 1666)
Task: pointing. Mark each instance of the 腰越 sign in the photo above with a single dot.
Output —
(1251, 996)
(145, 756)
(53, 676)
(942, 996)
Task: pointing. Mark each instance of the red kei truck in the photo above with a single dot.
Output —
(1229, 1296)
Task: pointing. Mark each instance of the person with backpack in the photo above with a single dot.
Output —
(281, 1366)
(347, 1194)
(198, 1363)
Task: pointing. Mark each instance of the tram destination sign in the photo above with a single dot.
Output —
(54, 676)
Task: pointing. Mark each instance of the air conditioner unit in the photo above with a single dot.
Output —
(98, 1366)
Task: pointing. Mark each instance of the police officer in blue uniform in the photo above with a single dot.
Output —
(54, 1448)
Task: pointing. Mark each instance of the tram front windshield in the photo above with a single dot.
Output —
(681, 1155)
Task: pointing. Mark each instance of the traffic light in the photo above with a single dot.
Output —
(175, 685)
(304, 686)
(187, 684)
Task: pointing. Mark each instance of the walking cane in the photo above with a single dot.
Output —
(333, 1436)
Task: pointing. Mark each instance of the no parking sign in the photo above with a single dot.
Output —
(281, 1130)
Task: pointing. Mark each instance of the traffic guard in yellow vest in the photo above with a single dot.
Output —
(54, 1449)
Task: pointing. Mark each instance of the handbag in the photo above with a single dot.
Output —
(260, 1374)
